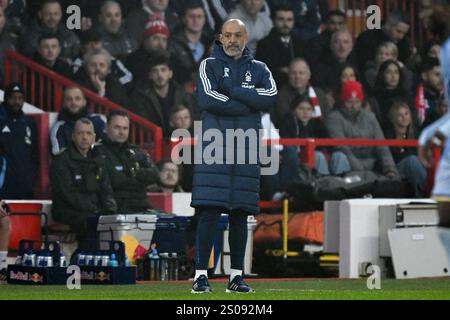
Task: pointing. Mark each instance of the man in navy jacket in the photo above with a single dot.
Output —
(233, 90)
(74, 108)
(19, 155)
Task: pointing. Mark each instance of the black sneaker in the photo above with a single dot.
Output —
(201, 285)
(238, 285)
(3, 276)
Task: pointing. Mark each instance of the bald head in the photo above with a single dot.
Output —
(237, 23)
(111, 16)
(341, 44)
(74, 100)
(234, 38)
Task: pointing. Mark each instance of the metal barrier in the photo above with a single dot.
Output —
(44, 89)
(356, 15)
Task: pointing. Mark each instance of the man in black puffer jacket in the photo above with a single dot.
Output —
(131, 170)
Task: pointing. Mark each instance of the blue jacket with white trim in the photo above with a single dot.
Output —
(231, 95)
(61, 132)
(19, 155)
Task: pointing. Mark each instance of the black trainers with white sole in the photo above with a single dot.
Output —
(201, 285)
(238, 285)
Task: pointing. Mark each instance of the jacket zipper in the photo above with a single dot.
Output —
(234, 126)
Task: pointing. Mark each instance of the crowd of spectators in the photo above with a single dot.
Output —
(145, 54)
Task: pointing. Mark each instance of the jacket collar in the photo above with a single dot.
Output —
(65, 115)
(76, 155)
(115, 145)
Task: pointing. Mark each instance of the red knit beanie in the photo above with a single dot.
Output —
(155, 26)
(352, 89)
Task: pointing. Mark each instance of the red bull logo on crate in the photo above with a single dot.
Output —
(93, 275)
(26, 276)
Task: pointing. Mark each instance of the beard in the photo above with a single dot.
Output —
(233, 50)
(15, 110)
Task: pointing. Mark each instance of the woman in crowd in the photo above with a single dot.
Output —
(388, 89)
(386, 51)
(301, 123)
(406, 158)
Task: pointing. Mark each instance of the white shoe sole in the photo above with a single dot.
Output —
(200, 292)
(231, 291)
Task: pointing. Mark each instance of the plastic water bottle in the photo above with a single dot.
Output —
(105, 261)
(164, 266)
(44, 260)
(19, 261)
(31, 259)
(154, 265)
(40, 261)
(81, 259)
(175, 265)
(98, 260)
(48, 260)
(24, 259)
(89, 259)
(113, 261)
(62, 260)
(127, 262)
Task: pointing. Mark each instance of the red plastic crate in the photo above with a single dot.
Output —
(25, 223)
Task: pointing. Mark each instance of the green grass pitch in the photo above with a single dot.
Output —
(273, 289)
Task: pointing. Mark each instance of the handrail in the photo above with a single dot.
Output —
(311, 144)
(20, 68)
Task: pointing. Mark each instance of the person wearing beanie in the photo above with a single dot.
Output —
(350, 121)
(156, 39)
(352, 90)
(136, 22)
(91, 40)
(19, 154)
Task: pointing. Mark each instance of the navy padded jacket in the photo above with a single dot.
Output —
(231, 95)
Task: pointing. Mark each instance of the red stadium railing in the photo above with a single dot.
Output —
(310, 145)
(356, 15)
(44, 89)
